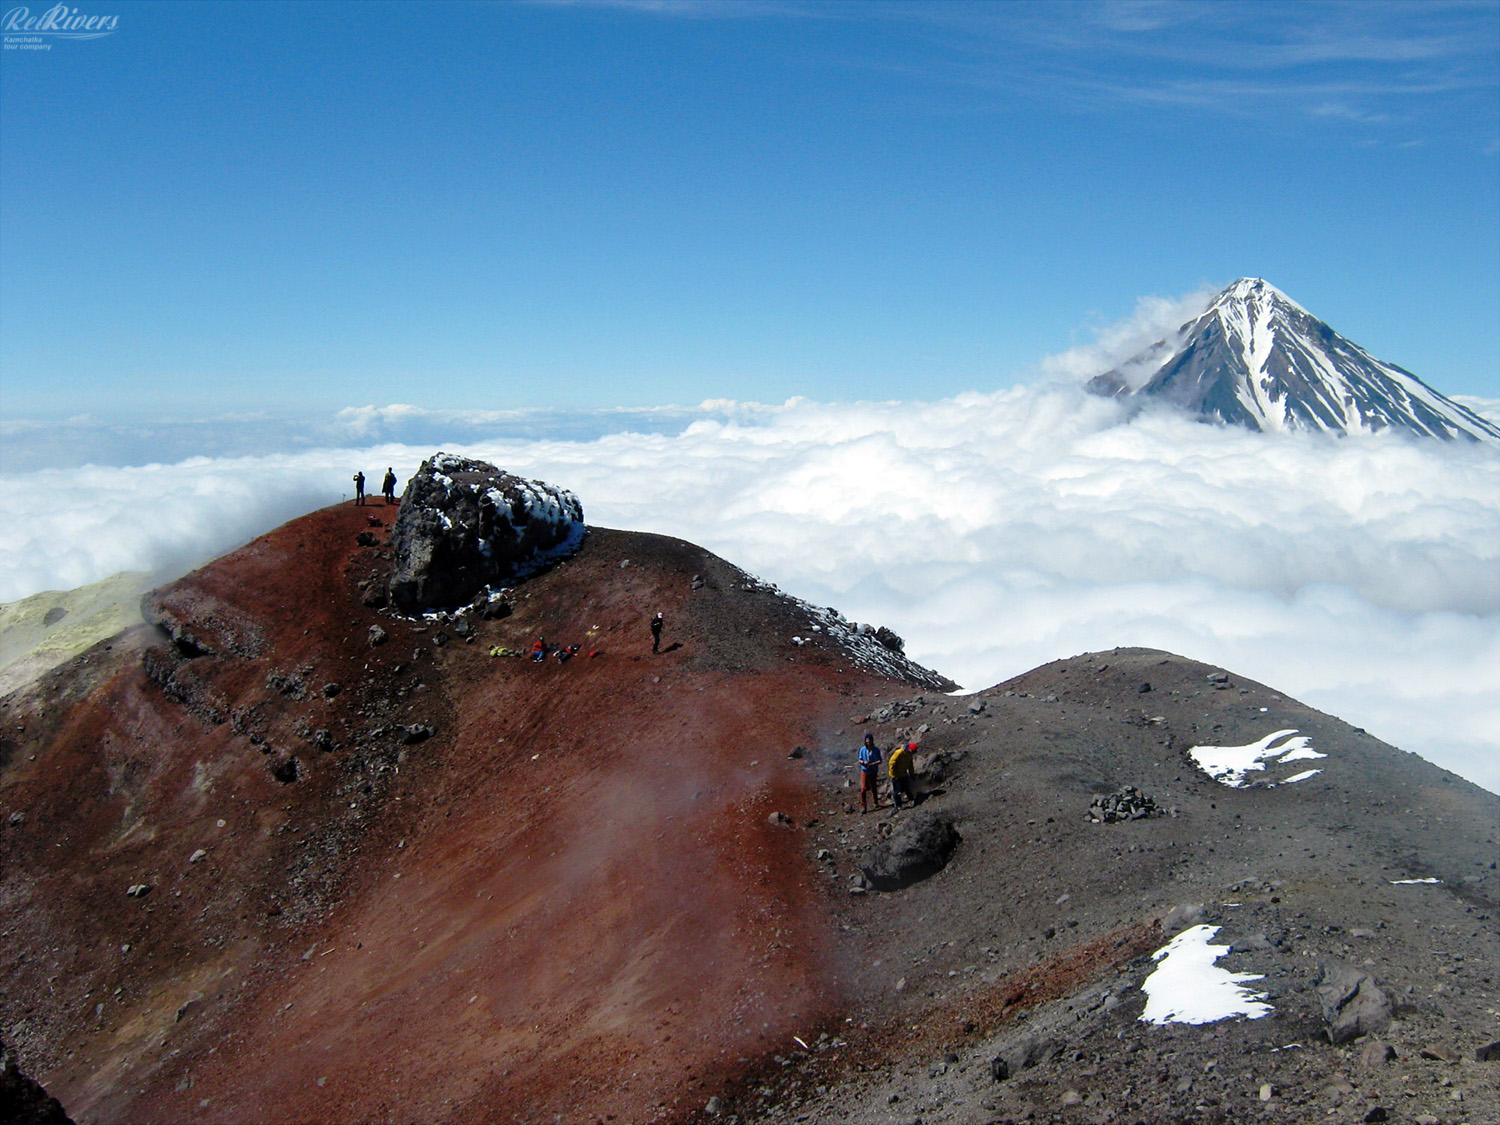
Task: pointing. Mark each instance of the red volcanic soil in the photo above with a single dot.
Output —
(575, 894)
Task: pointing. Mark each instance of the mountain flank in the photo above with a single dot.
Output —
(285, 854)
(1256, 358)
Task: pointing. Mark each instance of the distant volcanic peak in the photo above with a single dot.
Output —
(1256, 358)
(465, 525)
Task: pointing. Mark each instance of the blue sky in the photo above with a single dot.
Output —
(299, 208)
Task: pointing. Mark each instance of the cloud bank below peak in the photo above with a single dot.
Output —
(993, 531)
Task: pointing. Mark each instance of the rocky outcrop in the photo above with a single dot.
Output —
(465, 525)
(200, 624)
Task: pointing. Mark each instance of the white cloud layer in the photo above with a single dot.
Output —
(993, 531)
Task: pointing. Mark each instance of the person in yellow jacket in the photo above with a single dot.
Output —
(901, 766)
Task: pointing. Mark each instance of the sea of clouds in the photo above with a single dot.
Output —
(993, 531)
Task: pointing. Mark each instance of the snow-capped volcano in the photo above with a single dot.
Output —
(1258, 359)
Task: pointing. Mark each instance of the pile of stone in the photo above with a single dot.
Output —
(1128, 803)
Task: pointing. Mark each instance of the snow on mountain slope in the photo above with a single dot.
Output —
(1256, 358)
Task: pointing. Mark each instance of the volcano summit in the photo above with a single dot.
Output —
(285, 854)
(1256, 358)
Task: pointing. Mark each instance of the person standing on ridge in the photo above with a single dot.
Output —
(656, 627)
(869, 773)
(359, 487)
(388, 486)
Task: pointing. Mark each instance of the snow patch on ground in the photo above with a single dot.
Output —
(1187, 987)
(1229, 765)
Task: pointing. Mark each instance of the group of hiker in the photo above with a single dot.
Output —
(564, 653)
(387, 486)
(899, 768)
(542, 649)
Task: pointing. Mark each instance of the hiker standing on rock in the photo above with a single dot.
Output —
(388, 486)
(359, 487)
(656, 626)
(900, 767)
(869, 773)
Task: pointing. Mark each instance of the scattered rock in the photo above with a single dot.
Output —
(890, 640)
(285, 770)
(197, 856)
(780, 820)
(1031, 1051)
(378, 636)
(1267, 1091)
(1439, 1052)
(491, 604)
(1375, 1053)
(1143, 689)
(797, 752)
(999, 1069)
(331, 690)
(893, 712)
(919, 848)
(366, 539)
(139, 890)
(375, 597)
(1353, 1004)
(1378, 1113)
(54, 615)
(288, 684)
(465, 525)
(714, 1107)
(1490, 1052)
(417, 732)
(977, 707)
(17, 819)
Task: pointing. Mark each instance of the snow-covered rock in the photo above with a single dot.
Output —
(1256, 358)
(465, 525)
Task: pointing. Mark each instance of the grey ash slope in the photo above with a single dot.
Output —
(1256, 358)
(1032, 944)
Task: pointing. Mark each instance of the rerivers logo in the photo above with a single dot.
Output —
(25, 30)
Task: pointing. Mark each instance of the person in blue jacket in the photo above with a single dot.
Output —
(869, 772)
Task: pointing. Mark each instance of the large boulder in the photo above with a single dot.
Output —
(465, 525)
(920, 847)
(1353, 1004)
